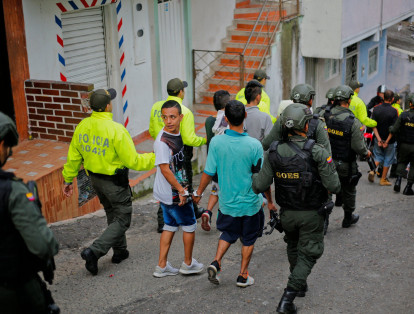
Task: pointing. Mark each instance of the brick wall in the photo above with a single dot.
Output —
(55, 108)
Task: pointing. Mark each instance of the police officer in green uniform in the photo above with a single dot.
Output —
(303, 172)
(346, 137)
(26, 243)
(404, 129)
(302, 93)
(107, 152)
(329, 96)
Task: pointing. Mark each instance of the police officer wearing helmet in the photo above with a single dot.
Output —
(26, 242)
(347, 141)
(106, 150)
(329, 95)
(379, 99)
(303, 173)
(302, 93)
(404, 129)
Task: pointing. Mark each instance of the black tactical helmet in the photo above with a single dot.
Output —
(302, 93)
(295, 116)
(343, 92)
(8, 131)
(381, 89)
(330, 93)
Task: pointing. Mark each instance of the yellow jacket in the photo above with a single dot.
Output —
(398, 107)
(186, 127)
(103, 146)
(359, 109)
(264, 105)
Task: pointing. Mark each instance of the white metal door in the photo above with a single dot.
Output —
(171, 37)
(84, 47)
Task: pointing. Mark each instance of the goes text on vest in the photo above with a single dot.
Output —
(93, 144)
(335, 132)
(287, 175)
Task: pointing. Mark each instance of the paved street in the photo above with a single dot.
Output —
(368, 268)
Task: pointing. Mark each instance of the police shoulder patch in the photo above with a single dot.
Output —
(30, 196)
(329, 159)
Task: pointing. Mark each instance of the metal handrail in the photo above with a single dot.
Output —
(254, 26)
(267, 18)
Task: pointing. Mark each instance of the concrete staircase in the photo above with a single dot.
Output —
(224, 72)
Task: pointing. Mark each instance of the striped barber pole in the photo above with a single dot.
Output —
(71, 5)
(122, 62)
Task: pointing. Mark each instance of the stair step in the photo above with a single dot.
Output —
(253, 39)
(248, 52)
(272, 15)
(236, 63)
(244, 27)
(234, 44)
(234, 78)
(230, 88)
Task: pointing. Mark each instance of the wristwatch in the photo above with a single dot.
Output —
(185, 193)
(196, 195)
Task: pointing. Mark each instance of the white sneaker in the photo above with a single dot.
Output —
(194, 268)
(241, 282)
(168, 270)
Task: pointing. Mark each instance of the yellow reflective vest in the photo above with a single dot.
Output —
(359, 109)
(103, 146)
(264, 105)
(186, 127)
(398, 107)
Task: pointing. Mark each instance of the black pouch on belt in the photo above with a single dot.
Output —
(121, 177)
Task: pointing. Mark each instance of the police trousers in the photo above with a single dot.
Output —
(304, 239)
(405, 156)
(117, 202)
(348, 191)
(23, 297)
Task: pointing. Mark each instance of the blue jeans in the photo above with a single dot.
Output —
(382, 155)
(175, 216)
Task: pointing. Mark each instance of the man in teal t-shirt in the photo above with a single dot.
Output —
(234, 157)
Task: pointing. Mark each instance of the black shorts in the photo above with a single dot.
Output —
(247, 228)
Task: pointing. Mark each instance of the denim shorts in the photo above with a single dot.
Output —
(382, 155)
(247, 228)
(175, 216)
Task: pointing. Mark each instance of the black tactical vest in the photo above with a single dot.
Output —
(17, 264)
(340, 136)
(406, 134)
(313, 124)
(297, 181)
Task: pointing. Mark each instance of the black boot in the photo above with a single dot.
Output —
(286, 302)
(397, 185)
(91, 261)
(349, 219)
(408, 189)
